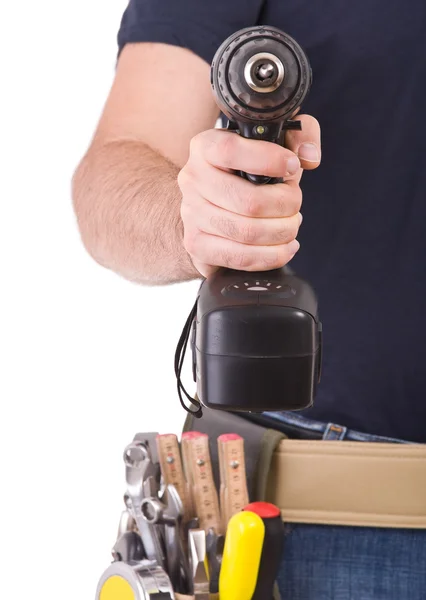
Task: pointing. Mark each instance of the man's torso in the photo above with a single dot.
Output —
(362, 240)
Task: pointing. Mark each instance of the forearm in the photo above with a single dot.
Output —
(127, 203)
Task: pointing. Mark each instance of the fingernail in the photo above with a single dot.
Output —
(293, 247)
(300, 218)
(293, 165)
(308, 152)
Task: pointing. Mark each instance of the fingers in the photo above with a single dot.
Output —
(226, 150)
(216, 221)
(212, 250)
(231, 222)
(240, 196)
(307, 142)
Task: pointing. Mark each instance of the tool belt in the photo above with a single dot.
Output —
(327, 482)
(204, 517)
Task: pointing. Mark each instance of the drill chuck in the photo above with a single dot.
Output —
(260, 74)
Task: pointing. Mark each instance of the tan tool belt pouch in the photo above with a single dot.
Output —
(327, 482)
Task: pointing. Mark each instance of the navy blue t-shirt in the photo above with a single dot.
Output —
(363, 240)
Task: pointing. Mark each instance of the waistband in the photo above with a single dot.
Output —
(300, 426)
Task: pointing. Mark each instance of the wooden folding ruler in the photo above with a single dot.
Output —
(172, 471)
(233, 482)
(198, 472)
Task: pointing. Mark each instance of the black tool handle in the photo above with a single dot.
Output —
(268, 132)
(272, 548)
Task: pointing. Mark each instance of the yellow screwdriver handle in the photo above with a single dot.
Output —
(241, 556)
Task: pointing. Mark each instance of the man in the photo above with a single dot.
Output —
(157, 202)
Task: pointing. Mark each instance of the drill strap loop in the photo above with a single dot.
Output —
(179, 358)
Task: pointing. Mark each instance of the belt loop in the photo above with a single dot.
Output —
(334, 432)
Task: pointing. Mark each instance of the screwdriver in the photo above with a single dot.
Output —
(199, 565)
(272, 548)
(241, 556)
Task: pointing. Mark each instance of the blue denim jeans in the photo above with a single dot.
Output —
(323, 562)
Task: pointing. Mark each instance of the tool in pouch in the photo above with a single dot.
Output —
(255, 337)
(198, 473)
(272, 549)
(241, 557)
(140, 559)
(233, 484)
(157, 555)
(233, 498)
(172, 471)
(150, 554)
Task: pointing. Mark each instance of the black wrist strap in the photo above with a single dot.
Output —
(179, 358)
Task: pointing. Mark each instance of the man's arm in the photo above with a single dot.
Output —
(125, 190)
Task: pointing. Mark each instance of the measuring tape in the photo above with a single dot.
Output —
(143, 580)
(199, 475)
(233, 482)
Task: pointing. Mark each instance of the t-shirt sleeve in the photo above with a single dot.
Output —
(199, 25)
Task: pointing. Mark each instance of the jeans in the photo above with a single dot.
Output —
(324, 562)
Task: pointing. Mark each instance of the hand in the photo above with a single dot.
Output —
(231, 222)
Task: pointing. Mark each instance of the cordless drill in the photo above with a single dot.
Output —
(256, 337)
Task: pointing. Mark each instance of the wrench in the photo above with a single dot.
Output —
(127, 522)
(128, 548)
(169, 511)
(142, 473)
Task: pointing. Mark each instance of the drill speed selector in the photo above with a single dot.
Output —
(264, 287)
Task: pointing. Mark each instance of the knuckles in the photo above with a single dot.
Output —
(255, 232)
(246, 259)
(273, 160)
(217, 147)
(296, 197)
(250, 233)
(222, 149)
(196, 143)
(236, 260)
(289, 199)
(185, 178)
(244, 232)
(254, 202)
(191, 241)
(276, 259)
(227, 227)
(288, 233)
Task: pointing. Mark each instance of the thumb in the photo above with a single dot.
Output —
(306, 143)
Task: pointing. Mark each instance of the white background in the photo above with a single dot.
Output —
(86, 357)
